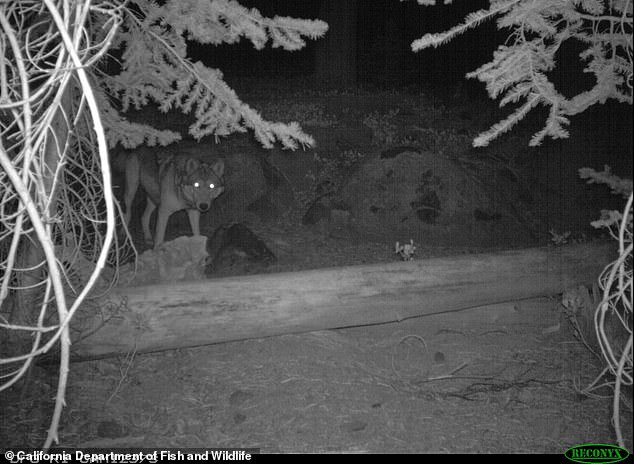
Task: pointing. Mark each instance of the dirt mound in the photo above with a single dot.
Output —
(420, 195)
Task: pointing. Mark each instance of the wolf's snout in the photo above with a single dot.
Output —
(203, 206)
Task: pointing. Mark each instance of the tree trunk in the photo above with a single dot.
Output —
(336, 53)
(177, 315)
(31, 259)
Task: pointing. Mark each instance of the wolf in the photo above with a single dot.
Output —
(175, 183)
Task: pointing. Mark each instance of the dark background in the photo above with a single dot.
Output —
(369, 43)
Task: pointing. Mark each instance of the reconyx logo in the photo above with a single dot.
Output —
(596, 453)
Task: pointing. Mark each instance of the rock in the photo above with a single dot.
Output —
(236, 248)
(180, 259)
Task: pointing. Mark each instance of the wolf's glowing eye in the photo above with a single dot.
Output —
(212, 186)
(196, 184)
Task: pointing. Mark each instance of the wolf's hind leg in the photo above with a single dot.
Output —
(145, 220)
(132, 171)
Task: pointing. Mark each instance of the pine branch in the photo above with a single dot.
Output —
(130, 134)
(156, 67)
(553, 128)
(226, 21)
(618, 185)
(518, 70)
(507, 124)
(471, 21)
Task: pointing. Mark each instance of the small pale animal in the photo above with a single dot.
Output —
(178, 182)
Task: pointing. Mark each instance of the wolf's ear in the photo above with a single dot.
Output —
(219, 167)
(191, 165)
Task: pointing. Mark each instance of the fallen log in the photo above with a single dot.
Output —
(185, 314)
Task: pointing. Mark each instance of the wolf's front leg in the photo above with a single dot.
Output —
(194, 220)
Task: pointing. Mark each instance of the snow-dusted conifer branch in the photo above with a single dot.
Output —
(155, 68)
(539, 28)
